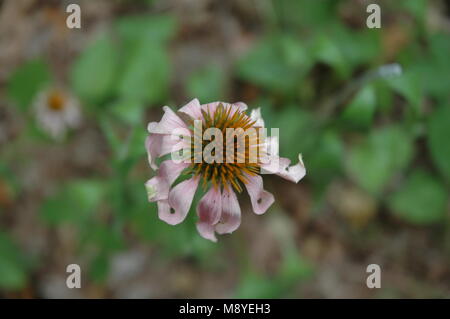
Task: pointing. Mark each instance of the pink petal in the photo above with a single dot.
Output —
(260, 198)
(231, 213)
(292, 173)
(193, 109)
(153, 145)
(170, 170)
(168, 123)
(164, 210)
(241, 106)
(269, 155)
(256, 116)
(158, 187)
(211, 107)
(238, 106)
(158, 145)
(180, 199)
(209, 210)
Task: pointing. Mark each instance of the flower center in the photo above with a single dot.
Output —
(239, 155)
(55, 101)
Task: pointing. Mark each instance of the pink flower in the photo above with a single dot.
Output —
(233, 167)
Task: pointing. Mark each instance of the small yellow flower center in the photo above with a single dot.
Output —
(56, 101)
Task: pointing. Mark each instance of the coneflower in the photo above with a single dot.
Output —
(239, 153)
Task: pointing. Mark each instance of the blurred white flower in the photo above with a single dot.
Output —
(57, 111)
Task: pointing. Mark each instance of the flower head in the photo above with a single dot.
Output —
(56, 111)
(221, 148)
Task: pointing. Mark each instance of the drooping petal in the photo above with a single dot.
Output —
(295, 172)
(192, 109)
(152, 186)
(269, 154)
(256, 116)
(169, 122)
(158, 145)
(209, 210)
(260, 198)
(231, 213)
(170, 170)
(273, 145)
(280, 166)
(241, 106)
(153, 145)
(206, 231)
(158, 187)
(164, 210)
(180, 200)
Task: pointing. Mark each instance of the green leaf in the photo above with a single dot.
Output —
(384, 96)
(438, 134)
(129, 112)
(13, 274)
(377, 159)
(74, 203)
(440, 46)
(294, 54)
(325, 161)
(418, 8)
(86, 192)
(127, 144)
(104, 238)
(358, 47)
(137, 142)
(408, 86)
(26, 81)
(155, 29)
(433, 69)
(144, 220)
(422, 200)
(94, 73)
(207, 84)
(327, 50)
(359, 113)
(146, 74)
(132, 150)
(277, 63)
(305, 13)
(99, 268)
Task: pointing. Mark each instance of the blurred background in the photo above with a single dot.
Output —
(75, 103)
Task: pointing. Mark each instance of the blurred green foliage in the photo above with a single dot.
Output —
(13, 264)
(93, 74)
(207, 84)
(74, 203)
(374, 161)
(438, 133)
(421, 200)
(26, 82)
